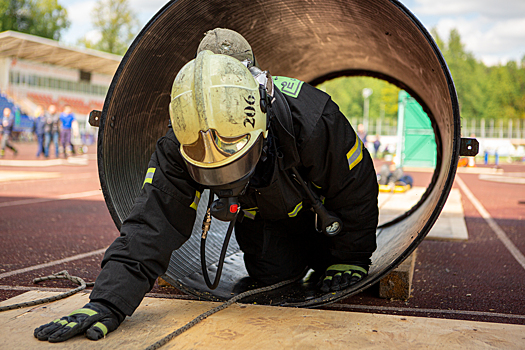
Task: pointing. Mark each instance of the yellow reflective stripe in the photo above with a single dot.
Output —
(315, 185)
(250, 214)
(346, 268)
(196, 200)
(102, 327)
(296, 210)
(71, 324)
(88, 312)
(62, 322)
(355, 155)
(149, 176)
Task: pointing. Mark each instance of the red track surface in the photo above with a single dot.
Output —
(474, 280)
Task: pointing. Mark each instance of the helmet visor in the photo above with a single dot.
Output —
(211, 147)
(231, 172)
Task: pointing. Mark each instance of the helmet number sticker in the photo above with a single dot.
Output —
(249, 111)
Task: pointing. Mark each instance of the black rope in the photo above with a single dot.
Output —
(223, 306)
(59, 275)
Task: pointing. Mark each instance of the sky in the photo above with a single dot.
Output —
(493, 30)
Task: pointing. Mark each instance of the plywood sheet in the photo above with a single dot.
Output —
(260, 327)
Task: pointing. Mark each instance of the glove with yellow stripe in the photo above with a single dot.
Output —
(340, 276)
(95, 318)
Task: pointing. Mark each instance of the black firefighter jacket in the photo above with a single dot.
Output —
(309, 133)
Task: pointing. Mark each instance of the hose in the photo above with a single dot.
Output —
(205, 228)
(221, 258)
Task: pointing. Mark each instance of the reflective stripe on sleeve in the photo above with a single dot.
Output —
(296, 210)
(316, 186)
(149, 176)
(250, 213)
(355, 155)
(196, 200)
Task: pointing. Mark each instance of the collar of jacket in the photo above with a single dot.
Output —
(281, 126)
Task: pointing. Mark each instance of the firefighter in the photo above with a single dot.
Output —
(250, 138)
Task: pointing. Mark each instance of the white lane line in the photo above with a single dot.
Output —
(418, 310)
(52, 263)
(493, 225)
(58, 198)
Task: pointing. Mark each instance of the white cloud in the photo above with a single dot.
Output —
(151, 6)
(491, 8)
(79, 13)
(93, 35)
(491, 41)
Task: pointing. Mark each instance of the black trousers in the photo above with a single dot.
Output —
(275, 251)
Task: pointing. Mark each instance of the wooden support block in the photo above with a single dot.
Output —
(398, 283)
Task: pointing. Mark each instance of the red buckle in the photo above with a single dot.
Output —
(234, 208)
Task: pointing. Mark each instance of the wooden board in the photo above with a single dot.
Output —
(260, 327)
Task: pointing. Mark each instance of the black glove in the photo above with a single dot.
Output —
(340, 276)
(95, 318)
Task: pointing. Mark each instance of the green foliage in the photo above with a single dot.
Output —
(117, 24)
(496, 92)
(347, 92)
(46, 18)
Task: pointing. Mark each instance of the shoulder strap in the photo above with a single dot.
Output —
(282, 127)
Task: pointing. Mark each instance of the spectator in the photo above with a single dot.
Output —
(38, 128)
(51, 129)
(361, 132)
(8, 121)
(66, 120)
(377, 144)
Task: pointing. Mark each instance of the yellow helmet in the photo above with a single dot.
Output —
(216, 116)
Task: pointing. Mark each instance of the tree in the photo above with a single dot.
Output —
(117, 25)
(347, 92)
(46, 18)
(495, 92)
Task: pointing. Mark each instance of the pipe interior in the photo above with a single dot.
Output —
(309, 40)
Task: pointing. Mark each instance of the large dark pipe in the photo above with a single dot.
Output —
(307, 39)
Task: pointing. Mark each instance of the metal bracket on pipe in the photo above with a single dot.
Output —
(469, 147)
(94, 118)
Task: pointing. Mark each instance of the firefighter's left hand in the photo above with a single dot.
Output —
(95, 318)
(340, 276)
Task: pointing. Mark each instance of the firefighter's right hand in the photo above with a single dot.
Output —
(96, 319)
